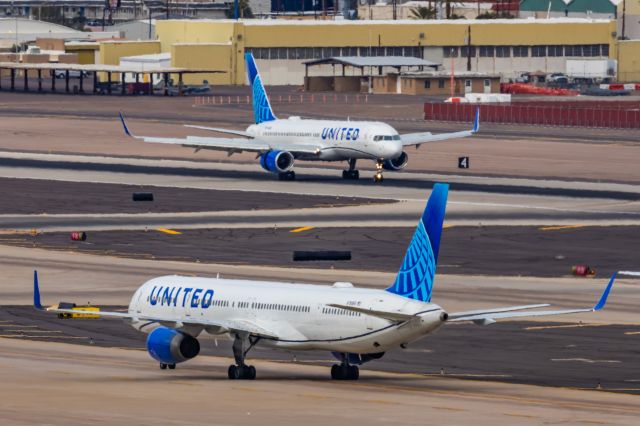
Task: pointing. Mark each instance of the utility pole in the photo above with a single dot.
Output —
(624, 17)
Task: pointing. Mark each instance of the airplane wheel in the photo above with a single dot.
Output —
(335, 372)
(351, 175)
(287, 175)
(172, 366)
(233, 372)
(354, 372)
(251, 373)
(163, 366)
(377, 178)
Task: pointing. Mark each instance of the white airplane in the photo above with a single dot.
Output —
(279, 142)
(356, 325)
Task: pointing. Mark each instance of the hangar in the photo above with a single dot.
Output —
(506, 46)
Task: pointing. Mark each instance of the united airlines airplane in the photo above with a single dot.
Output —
(279, 142)
(356, 325)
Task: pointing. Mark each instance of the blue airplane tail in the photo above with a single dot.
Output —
(418, 269)
(261, 107)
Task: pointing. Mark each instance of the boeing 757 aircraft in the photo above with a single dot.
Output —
(356, 325)
(279, 142)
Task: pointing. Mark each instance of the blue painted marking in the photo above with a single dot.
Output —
(261, 107)
(417, 272)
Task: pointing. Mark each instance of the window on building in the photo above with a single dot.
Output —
(555, 51)
(441, 83)
(604, 50)
(521, 51)
(466, 51)
(570, 50)
(503, 51)
(487, 51)
(450, 52)
(427, 84)
(539, 51)
(591, 50)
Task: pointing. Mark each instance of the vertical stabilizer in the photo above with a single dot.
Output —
(418, 269)
(261, 107)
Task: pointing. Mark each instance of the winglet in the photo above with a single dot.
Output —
(605, 294)
(124, 124)
(476, 121)
(36, 292)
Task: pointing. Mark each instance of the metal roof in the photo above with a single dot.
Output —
(374, 61)
(104, 68)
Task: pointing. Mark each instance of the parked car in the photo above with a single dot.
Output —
(72, 73)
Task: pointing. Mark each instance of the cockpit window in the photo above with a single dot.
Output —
(386, 138)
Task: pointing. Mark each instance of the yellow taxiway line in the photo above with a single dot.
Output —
(169, 231)
(304, 228)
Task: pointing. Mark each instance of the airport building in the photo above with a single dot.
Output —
(507, 47)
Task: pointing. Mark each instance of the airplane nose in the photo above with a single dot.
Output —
(394, 149)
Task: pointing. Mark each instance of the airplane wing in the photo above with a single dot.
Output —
(220, 130)
(232, 326)
(486, 317)
(230, 145)
(417, 139)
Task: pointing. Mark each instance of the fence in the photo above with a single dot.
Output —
(618, 115)
(320, 98)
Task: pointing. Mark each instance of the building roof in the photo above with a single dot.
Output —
(104, 68)
(447, 74)
(373, 61)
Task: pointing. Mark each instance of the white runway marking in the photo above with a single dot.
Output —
(586, 360)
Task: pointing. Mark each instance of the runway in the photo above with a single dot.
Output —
(535, 202)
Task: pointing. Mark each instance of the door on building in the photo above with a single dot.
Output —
(467, 86)
(487, 85)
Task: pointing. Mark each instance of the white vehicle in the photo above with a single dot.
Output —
(72, 73)
(356, 325)
(279, 142)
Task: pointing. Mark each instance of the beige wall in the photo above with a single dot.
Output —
(629, 61)
(203, 56)
(112, 51)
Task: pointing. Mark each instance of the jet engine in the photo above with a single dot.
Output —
(358, 359)
(277, 161)
(396, 164)
(170, 346)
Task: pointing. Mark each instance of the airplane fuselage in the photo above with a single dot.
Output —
(336, 140)
(299, 314)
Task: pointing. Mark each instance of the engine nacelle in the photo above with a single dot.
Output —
(171, 346)
(358, 359)
(396, 163)
(277, 161)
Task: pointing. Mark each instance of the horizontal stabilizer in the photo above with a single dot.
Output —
(485, 317)
(391, 316)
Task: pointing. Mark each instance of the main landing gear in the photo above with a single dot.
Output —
(377, 178)
(242, 371)
(164, 366)
(290, 175)
(344, 370)
(352, 173)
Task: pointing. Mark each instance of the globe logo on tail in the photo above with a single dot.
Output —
(415, 278)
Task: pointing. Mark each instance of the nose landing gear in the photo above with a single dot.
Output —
(377, 178)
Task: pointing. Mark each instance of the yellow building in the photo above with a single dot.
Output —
(629, 61)
(506, 47)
